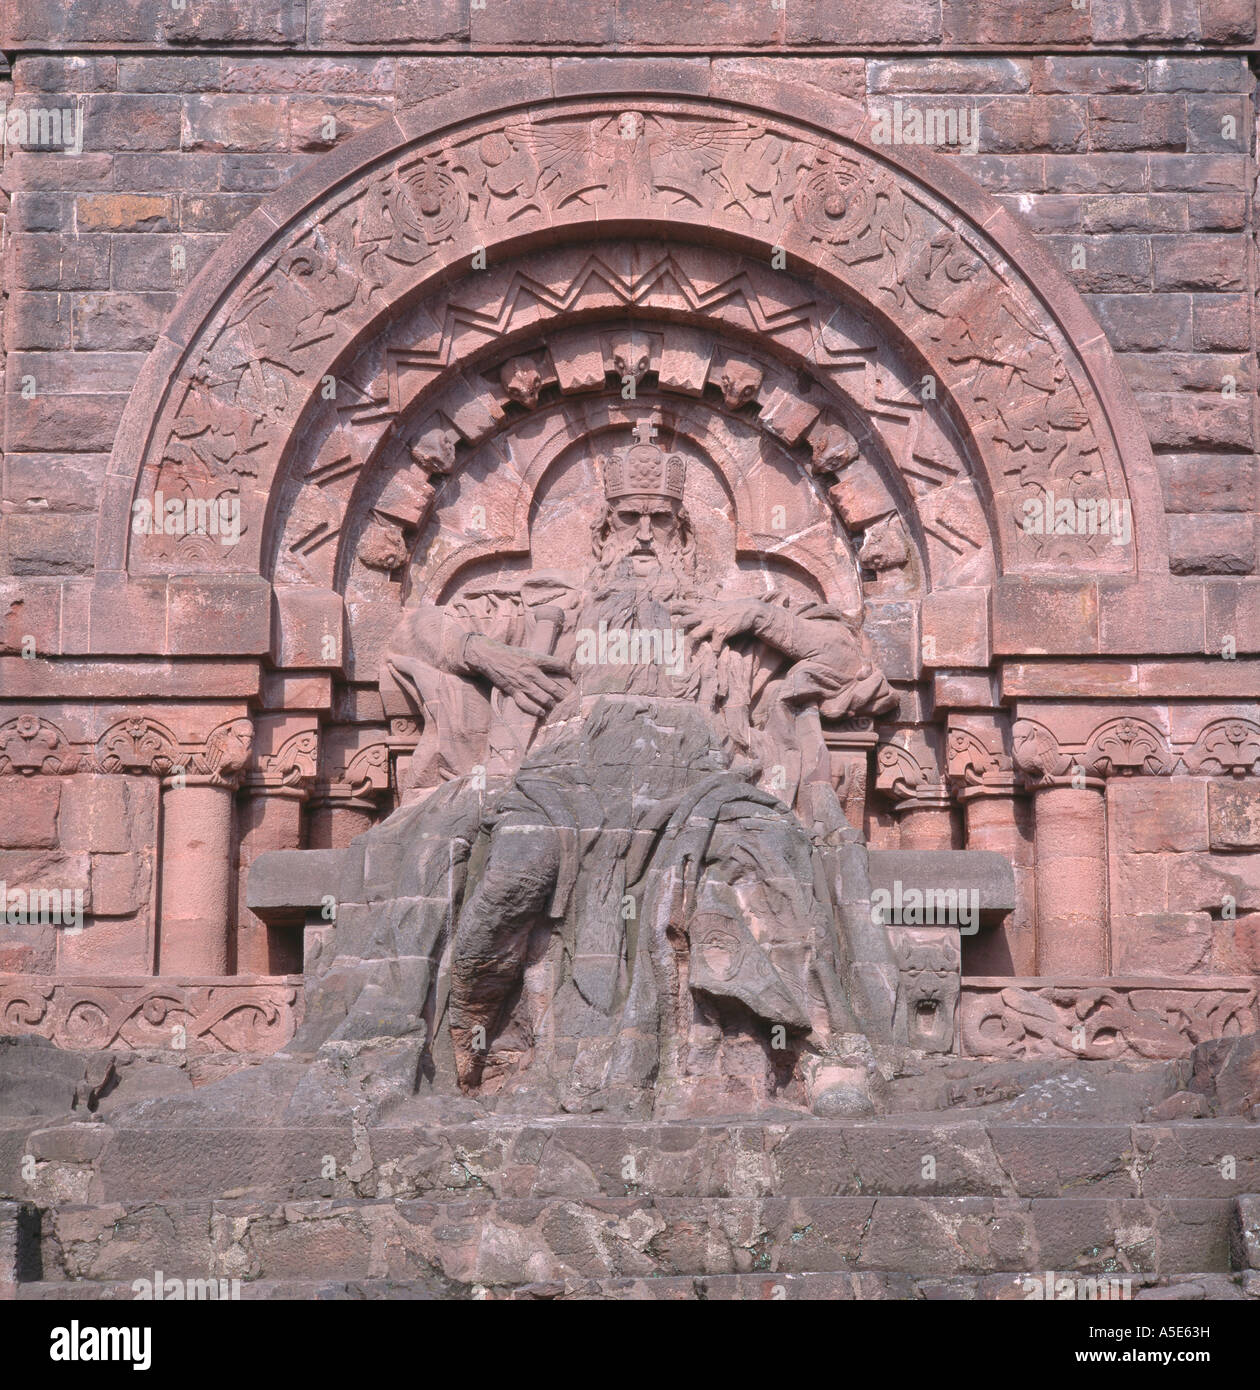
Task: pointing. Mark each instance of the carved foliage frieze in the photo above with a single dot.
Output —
(229, 1015)
(1124, 1018)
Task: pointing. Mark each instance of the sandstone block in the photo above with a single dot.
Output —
(1214, 544)
(867, 23)
(28, 817)
(50, 543)
(937, 74)
(1074, 74)
(110, 813)
(124, 321)
(1198, 263)
(125, 212)
(129, 122)
(308, 628)
(1158, 815)
(956, 621)
(1227, 21)
(1219, 322)
(1133, 21)
(46, 262)
(1143, 322)
(1234, 815)
(1025, 124)
(1208, 482)
(1189, 422)
(1112, 264)
(236, 123)
(1037, 23)
(1164, 944)
(1137, 123)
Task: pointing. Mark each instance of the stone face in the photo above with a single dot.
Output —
(537, 541)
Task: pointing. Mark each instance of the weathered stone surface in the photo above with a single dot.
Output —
(40, 1079)
(959, 550)
(485, 1242)
(1227, 1072)
(1234, 816)
(587, 1157)
(1245, 1234)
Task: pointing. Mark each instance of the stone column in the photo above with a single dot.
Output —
(337, 815)
(196, 903)
(1070, 834)
(911, 775)
(271, 818)
(926, 820)
(998, 820)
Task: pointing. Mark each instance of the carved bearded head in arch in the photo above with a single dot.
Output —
(643, 530)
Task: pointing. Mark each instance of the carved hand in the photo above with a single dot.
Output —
(716, 619)
(527, 677)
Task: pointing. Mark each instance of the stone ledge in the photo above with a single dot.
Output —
(490, 1242)
(579, 1156)
(285, 883)
(809, 1286)
(117, 679)
(947, 871)
(1150, 679)
(629, 26)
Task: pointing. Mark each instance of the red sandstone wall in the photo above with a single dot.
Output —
(1121, 135)
(1120, 159)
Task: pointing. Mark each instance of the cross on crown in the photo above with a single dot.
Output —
(644, 469)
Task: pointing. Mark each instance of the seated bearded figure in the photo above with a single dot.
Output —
(655, 897)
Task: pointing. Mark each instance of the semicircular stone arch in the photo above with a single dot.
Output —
(793, 381)
(265, 357)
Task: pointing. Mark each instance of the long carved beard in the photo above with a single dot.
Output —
(625, 600)
(614, 573)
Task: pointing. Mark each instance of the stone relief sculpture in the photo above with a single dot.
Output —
(515, 783)
(623, 797)
(928, 990)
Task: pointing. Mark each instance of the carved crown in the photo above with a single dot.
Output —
(643, 469)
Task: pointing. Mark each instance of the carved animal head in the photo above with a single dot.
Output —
(927, 981)
(740, 382)
(632, 357)
(382, 547)
(831, 448)
(928, 995)
(435, 451)
(522, 381)
(884, 546)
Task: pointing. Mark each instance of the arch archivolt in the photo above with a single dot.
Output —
(360, 490)
(347, 337)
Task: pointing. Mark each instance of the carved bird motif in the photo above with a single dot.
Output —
(630, 156)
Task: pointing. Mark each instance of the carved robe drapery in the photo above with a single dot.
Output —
(683, 909)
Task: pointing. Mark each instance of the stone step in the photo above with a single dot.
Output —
(808, 1286)
(582, 1158)
(497, 1241)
